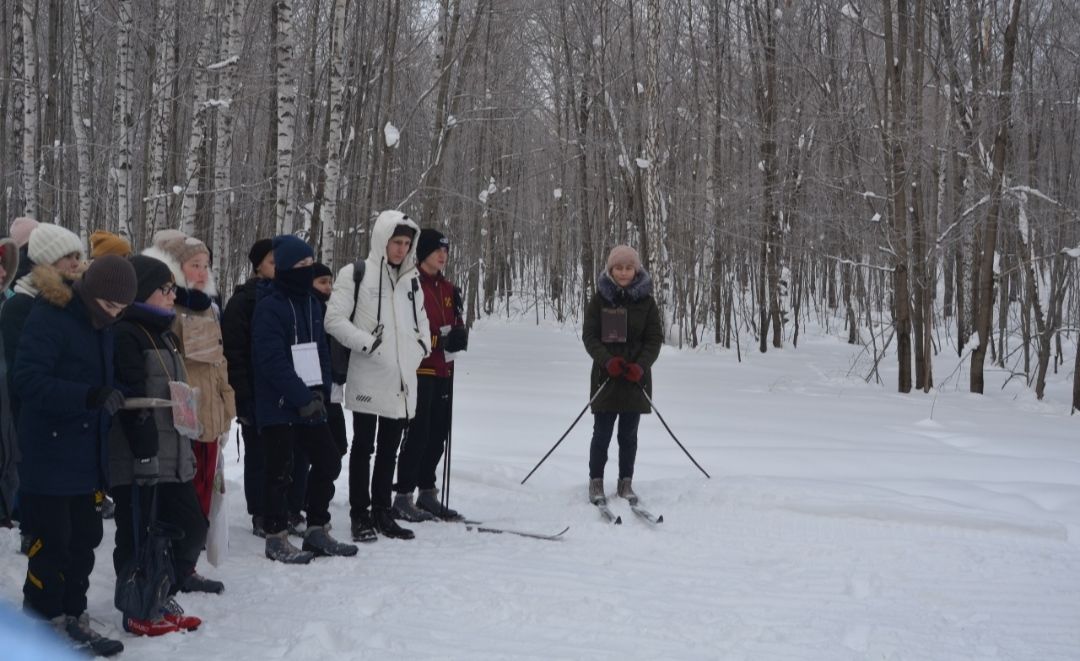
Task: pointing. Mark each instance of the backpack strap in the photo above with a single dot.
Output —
(359, 266)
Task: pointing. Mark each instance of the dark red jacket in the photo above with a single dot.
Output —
(439, 305)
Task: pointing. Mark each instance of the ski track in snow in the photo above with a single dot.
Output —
(843, 522)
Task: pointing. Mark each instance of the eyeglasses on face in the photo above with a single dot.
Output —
(167, 288)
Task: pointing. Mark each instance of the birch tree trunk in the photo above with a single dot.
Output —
(226, 68)
(125, 91)
(159, 191)
(196, 149)
(31, 115)
(989, 237)
(80, 118)
(286, 115)
(13, 152)
(328, 215)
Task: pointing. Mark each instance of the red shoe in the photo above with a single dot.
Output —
(149, 627)
(172, 612)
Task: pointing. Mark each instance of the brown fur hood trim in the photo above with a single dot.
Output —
(52, 286)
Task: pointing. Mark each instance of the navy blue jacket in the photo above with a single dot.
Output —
(60, 358)
(276, 326)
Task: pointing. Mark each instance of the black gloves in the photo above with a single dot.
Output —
(457, 339)
(315, 409)
(145, 472)
(109, 399)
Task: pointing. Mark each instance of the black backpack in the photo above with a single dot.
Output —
(339, 353)
(144, 582)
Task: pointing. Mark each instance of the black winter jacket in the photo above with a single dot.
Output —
(236, 336)
(146, 359)
(645, 336)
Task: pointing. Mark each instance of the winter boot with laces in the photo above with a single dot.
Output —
(318, 540)
(194, 582)
(596, 491)
(405, 510)
(428, 500)
(278, 547)
(384, 523)
(78, 629)
(173, 613)
(363, 529)
(625, 491)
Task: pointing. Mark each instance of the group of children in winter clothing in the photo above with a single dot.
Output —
(98, 359)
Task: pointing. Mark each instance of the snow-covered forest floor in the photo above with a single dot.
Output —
(842, 521)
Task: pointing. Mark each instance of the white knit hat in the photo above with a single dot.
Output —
(49, 243)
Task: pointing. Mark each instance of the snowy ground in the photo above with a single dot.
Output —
(842, 521)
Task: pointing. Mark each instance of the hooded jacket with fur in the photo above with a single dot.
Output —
(217, 405)
(382, 382)
(16, 310)
(61, 357)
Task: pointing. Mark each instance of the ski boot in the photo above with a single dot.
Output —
(405, 510)
(596, 491)
(428, 500)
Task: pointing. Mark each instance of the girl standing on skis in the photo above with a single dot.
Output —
(623, 333)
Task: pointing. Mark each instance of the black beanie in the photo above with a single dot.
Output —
(430, 241)
(150, 274)
(111, 278)
(258, 251)
(321, 270)
(404, 230)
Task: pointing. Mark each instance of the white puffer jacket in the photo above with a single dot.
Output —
(382, 382)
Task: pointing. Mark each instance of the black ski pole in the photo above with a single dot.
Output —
(444, 498)
(664, 422)
(567, 433)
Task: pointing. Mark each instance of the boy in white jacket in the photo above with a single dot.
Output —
(382, 322)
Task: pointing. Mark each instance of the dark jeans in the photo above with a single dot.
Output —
(65, 532)
(603, 425)
(255, 473)
(177, 505)
(369, 487)
(318, 445)
(426, 436)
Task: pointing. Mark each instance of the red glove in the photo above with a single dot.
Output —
(615, 367)
(634, 372)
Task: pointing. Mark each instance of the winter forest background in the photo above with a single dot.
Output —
(902, 172)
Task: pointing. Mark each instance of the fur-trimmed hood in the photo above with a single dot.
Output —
(178, 272)
(52, 285)
(640, 287)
